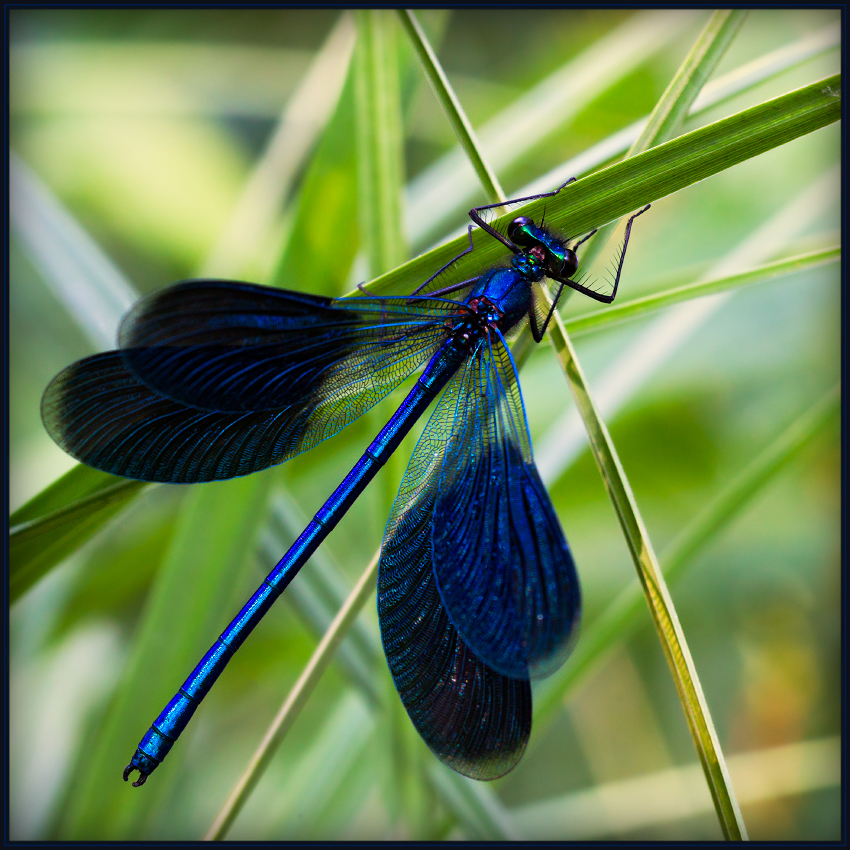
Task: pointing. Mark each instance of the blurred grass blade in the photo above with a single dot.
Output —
(633, 806)
(668, 116)
(325, 203)
(192, 595)
(714, 93)
(475, 807)
(660, 171)
(320, 592)
(383, 244)
(351, 656)
(38, 545)
(448, 99)
(628, 310)
(660, 604)
(380, 180)
(752, 479)
(305, 797)
(443, 189)
(295, 701)
(78, 273)
(303, 120)
(77, 483)
(675, 104)
(626, 612)
(658, 342)
(96, 294)
(766, 67)
(380, 140)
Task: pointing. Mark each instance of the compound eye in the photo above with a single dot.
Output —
(569, 267)
(518, 235)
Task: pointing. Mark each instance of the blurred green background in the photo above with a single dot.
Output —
(148, 126)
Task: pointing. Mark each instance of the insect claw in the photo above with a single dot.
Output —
(142, 776)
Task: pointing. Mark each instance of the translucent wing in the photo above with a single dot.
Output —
(223, 345)
(198, 411)
(501, 563)
(474, 719)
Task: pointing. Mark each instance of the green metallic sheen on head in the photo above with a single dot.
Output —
(542, 253)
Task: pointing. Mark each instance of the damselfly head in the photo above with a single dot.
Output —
(555, 259)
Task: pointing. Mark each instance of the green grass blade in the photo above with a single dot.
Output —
(715, 93)
(660, 604)
(448, 99)
(308, 798)
(326, 203)
(628, 310)
(380, 175)
(77, 483)
(79, 274)
(608, 194)
(626, 612)
(675, 104)
(669, 114)
(482, 815)
(380, 187)
(35, 547)
(442, 190)
(380, 140)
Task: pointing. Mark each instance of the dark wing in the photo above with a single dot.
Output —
(101, 414)
(190, 403)
(223, 345)
(501, 563)
(474, 719)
